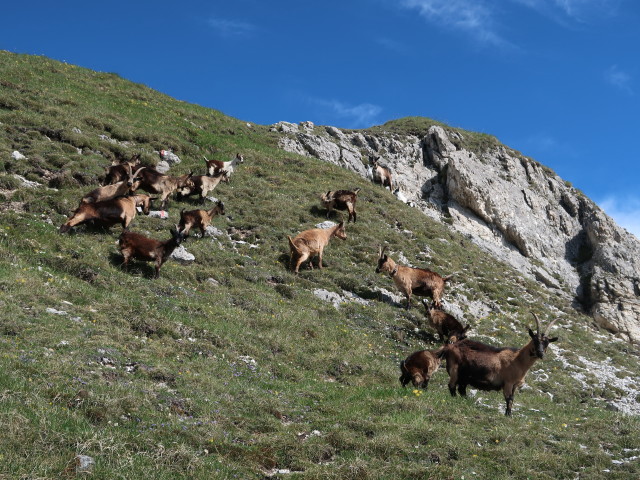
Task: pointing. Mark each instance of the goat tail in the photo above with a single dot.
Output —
(293, 245)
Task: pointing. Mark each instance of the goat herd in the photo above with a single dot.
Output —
(467, 362)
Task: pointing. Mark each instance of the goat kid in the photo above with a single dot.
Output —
(449, 329)
(381, 174)
(490, 368)
(134, 245)
(341, 200)
(202, 184)
(413, 281)
(419, 367)
(198, 218)
(107, 213)
(155, 182)
(214, 166)
(123, 187)
(309, 243)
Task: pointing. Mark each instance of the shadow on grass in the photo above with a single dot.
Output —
(136, 267)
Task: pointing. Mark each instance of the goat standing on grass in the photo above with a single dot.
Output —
(120, 210)
(491, 368)
(413, 281)
(199, 218)
(214, 166)
(341, 200)
(448, 327)
(125, 187)
(309, 243)
(119, 171)
(419, 367)
(202, 184)
(155, 182)
(134, 245)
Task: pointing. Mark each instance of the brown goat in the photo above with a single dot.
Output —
(119, 171)
(413, 281)
(419, 367)
(199, 218)
(381, 174)
(120, 210)
(309, 243)
(134, 245)
(202, 184)
(107, 192)
(214, 166)
(448, 327)
(341, 200)
(491, 368)
(153, 181)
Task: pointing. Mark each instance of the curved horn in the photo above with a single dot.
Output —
(550, 325)
(137, 171)
(381, 250)
(537, 322)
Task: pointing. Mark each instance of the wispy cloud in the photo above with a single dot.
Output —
(564, 11)
(625, 211)
(356, 116)
(231, 28)
(474, 17)
(619, 79)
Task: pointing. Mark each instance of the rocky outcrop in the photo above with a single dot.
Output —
(513, 207)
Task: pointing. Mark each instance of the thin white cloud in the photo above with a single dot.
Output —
(625, 211)
(231, 28)
(356, 116)
(474, 17)
(564, 11)
(619, 79)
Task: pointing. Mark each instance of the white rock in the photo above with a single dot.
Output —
(181, 255)
(16, 155)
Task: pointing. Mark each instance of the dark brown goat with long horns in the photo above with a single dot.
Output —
(341, 200)
(413, 281)
(134, 245)
(120, 210)
(490, 368)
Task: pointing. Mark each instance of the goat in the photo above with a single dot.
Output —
(155, 182)
(118, 171)
(134, 245)
(309, 243)
(202, 184)
(419, 367)
(445, 324)
(199, 218)
(214, 166)
(413, 281)
(123, 187)
(381, 174)
(341, 200)
(491, 368)
(109, 212)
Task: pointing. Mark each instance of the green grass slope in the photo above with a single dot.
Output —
(230, 366)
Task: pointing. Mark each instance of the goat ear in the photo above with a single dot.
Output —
(554, 339)
(531, 334)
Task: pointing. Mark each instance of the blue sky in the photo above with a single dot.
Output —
(557, 80)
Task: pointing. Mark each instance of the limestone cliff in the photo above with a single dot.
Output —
(515, 208)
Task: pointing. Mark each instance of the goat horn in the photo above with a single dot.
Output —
(537, 322)
(550, 325)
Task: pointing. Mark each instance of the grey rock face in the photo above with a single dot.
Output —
(511, 206)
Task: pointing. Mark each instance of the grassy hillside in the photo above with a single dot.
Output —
(231, 367)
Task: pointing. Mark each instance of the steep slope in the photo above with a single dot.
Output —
(229, 366)
(515, 208)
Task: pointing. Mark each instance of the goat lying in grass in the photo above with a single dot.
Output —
(199, 218)
(449, 329)
(413, 281)
(309, 243)
(491, 368)
(419, 367)
(134, 245)
(202, 184)
(341, 200)
(120, 210)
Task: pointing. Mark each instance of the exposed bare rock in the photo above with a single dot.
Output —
(511, 206)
